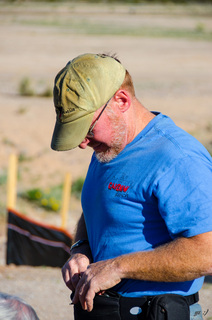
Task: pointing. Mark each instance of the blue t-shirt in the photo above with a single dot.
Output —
(157, 189)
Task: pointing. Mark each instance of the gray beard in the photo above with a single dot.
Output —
(119, 132)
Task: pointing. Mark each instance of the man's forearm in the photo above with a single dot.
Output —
(180, 260)
(81, 232)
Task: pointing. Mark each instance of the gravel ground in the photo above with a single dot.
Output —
(43, 288)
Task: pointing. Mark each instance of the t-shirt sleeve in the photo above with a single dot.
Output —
(184, 194)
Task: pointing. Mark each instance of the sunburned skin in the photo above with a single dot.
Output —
(107, 146)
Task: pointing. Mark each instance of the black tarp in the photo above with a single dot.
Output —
(35, 244)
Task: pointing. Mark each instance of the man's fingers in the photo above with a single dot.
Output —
(75, 279)
(84, 293)
(89, 298)
(67, 278)
(69, 285)
(76, 293)
(73, 270)
(80, 292)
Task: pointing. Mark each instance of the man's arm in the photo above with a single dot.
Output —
(80, 257)
(180, 260)
(81, 231)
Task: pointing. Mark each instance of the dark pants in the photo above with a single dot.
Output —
(104, 308)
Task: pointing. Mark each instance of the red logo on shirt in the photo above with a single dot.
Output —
(117, 187)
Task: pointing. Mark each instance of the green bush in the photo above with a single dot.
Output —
(48, 92)
(50, 199)
(25, 88)
(3, 178)
(77, 187)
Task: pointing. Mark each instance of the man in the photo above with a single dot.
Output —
(144, 240)
(12, 307)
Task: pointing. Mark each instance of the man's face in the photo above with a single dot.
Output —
(110, 135)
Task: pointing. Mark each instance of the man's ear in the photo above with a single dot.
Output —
(123, 100)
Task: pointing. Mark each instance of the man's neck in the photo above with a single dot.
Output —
(138, 119)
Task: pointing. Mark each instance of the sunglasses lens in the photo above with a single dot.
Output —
(90, 135)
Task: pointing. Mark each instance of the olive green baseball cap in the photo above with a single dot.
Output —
(84, 85)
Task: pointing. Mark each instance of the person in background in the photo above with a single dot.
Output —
(14, 308)
(144, 240)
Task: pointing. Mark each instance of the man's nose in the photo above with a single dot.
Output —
(84, 143)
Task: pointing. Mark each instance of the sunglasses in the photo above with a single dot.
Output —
(90, 133)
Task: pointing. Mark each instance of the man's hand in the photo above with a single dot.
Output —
(98, 277)
(74, 268)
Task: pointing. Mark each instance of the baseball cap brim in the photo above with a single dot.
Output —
(69, 135)
(83, 86)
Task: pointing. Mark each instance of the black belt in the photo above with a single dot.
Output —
(193, 298)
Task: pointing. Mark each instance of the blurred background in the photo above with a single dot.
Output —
(167, 48)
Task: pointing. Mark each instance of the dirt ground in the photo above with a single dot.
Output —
(171, 75)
